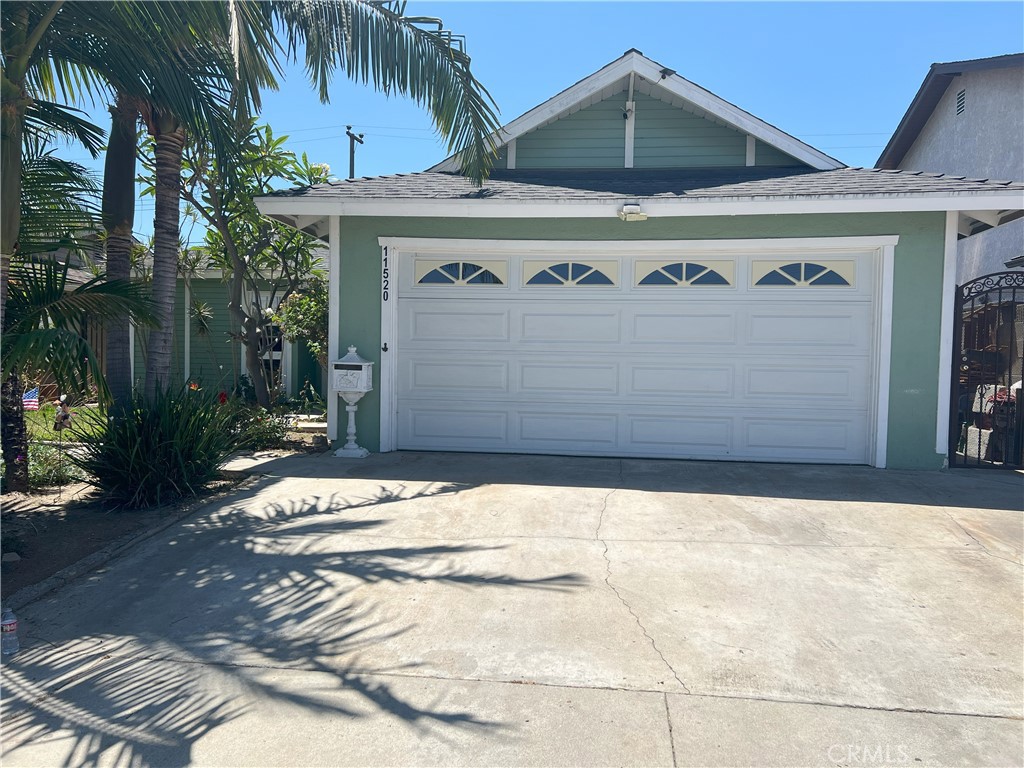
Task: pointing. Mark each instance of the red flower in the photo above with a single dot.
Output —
(222, 398)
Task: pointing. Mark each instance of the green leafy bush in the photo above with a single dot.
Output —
(48, 466)
(161, 450)
(256, 427)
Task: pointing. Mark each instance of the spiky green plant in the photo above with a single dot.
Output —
(167, 447)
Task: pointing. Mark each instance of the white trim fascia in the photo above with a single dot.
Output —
(333, 320)
(883, 354)
(555, 106)
(946, 334)
(653, 207)
(187, 330)
(389, 338)
(634, 63)
(751, 151)
(738, 118)
(630, 132)
(510, 155)
(595, 247)
(884, 244)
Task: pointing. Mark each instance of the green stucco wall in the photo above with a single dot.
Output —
(913, 392)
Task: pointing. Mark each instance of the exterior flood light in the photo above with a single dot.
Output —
(632, 212)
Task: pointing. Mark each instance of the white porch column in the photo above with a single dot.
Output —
(333, 319)
(946, 333)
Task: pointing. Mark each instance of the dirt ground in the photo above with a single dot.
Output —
(54, 528)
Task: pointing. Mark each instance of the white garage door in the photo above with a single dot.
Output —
(751, 356)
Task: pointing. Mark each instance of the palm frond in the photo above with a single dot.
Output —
(374, 43)
(46, 120)
(59, 203)
(39, 298)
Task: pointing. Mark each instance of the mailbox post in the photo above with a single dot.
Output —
(351, 377)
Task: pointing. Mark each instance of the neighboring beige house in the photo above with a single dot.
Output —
(967, 119)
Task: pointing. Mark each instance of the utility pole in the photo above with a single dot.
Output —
(352, 139)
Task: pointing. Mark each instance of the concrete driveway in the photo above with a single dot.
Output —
(447, 609)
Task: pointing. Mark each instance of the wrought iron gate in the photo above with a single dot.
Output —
(987, 408)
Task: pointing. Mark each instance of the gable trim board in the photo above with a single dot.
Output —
(608, 80)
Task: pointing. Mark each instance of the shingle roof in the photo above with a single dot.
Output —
(685, 184)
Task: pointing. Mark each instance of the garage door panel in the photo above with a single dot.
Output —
(453, 325)
(571, 326)
(673, 381)
(677, 327)
(695, 435)
(463, 376)
(547, 378)
(552, 429)
(452, 427)
(799, 435)
(848, 327)
(824, 387)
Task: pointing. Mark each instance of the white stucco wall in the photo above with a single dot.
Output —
(985, 141)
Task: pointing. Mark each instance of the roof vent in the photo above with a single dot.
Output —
(961, 101)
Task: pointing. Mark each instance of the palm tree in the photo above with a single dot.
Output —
(370, 41)
(195, 59)
(42, 325)
(42, 331)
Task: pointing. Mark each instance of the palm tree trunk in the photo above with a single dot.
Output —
(12, 122)
(14, 435)
(170, 143)
(118, 221)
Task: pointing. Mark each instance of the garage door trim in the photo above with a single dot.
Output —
(393, 249)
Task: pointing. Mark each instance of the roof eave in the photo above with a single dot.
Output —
(292, 210)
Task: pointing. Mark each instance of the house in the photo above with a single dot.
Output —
(204, 349)
(967, 119)
(649, 271)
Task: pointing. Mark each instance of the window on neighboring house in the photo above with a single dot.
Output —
(961, 101)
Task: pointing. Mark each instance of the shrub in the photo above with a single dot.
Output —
(48, 466)
(256, 427)
(161, 450)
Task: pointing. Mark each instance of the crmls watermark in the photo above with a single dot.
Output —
(868, 754)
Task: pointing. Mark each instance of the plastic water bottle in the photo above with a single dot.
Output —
(9, 633)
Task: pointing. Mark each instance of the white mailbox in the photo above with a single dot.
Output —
(352, 374)
(351, 377)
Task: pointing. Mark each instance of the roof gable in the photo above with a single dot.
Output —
(927, 98)
(634, 75)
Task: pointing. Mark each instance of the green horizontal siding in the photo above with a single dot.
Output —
(213, 355)
(594, 137)
(669, 137)
(765, 154)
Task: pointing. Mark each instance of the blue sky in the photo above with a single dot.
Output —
(836, 75)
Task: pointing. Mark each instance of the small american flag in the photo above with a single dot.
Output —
(30, 400)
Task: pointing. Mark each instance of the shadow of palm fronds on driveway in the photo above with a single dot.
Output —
(213, 621)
